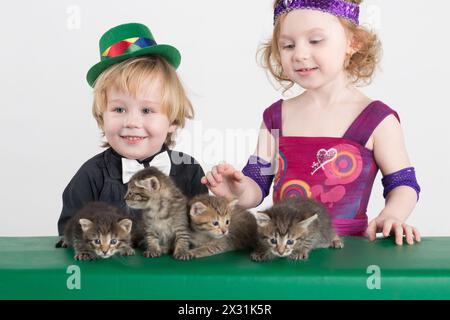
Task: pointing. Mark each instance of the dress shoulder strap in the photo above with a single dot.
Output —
(272, 117)
(369, 119)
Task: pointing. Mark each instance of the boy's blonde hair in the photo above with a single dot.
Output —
(131, 75)
(360, 66)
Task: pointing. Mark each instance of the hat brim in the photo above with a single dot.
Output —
(171, 54)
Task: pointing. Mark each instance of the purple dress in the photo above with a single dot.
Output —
(338, 172)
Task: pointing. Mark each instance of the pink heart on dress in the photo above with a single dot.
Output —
(324, 156)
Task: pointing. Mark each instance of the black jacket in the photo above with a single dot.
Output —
(100, 179)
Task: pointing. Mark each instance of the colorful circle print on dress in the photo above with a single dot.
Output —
(281, 172)
(295, 188)
(345, 167)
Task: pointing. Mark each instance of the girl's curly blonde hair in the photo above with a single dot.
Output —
(360, 66)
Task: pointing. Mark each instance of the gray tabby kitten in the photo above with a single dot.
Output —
(292, 228)
(218, 225)
(164, 213)
(98, 230)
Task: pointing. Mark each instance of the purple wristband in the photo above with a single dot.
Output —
(404, 177)
(259, 170)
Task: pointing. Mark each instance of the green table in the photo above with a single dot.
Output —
(31, 268)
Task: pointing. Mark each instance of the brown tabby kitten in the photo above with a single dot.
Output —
(164, 213)
(218, 226)
(292, 228)
(98, 230)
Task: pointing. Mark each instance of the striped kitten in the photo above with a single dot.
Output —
(292, 228)
(218, 226)
(164, 213)
(98, 230)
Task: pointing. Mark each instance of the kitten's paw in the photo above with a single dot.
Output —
(299, 255)
(152, 253)
(183, 255)
(128, 252)
(302, 255)
(258, 257)
(194, 254)
(61, 244)
(84, 256)
(337, 243)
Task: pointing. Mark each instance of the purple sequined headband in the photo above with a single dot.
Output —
(340, 8)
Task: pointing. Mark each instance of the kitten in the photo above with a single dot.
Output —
(164, 213)
(218, 226)
(292, 228)
(98, 230)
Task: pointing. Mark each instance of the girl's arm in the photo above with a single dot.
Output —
(225, 181)
(391, 156)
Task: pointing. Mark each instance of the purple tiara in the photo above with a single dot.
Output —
(340, 8)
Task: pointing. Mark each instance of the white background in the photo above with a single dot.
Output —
(47, 130)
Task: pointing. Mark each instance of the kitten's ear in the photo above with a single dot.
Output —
(197, 209)
(262, 219)
(151, 184)
(305, 223)
(126, 225)
(86, 224)
(233, 203)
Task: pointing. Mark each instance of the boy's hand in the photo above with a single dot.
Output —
(389, 225)
(224, 181)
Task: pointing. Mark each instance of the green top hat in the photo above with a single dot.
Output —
(127, 41)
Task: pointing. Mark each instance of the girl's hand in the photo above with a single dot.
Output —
(392, 226)
(224, 181)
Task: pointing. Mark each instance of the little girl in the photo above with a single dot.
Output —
(328, 142)
(139, 103)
